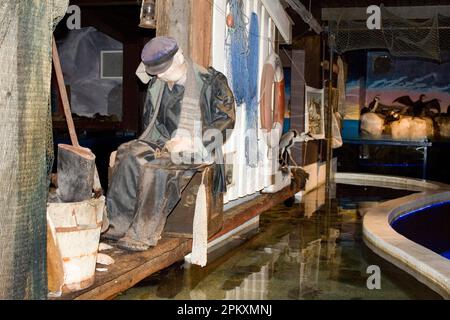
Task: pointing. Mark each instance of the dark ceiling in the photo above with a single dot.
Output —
(126, 12)
(366, 3)
(300, 28)
(315, 3)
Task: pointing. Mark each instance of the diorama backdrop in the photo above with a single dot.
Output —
(391, 77)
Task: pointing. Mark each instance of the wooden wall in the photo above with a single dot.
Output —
(190, 22)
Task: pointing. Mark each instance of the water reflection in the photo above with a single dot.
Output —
(313, 250)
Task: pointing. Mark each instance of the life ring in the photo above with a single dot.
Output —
(272, 75)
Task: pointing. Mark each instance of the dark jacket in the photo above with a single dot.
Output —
(217, 106)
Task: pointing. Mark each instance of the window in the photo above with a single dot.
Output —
(111, 66)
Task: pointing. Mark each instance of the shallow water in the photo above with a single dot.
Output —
(313, 250)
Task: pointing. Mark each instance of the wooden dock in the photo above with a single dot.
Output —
(131, 268)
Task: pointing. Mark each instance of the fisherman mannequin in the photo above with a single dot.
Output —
(185, 104)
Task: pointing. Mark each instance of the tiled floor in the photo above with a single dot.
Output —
(294, 256)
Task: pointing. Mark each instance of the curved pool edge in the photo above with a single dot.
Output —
(392, 182)
(423, 264)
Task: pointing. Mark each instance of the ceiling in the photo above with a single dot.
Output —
(126, 17)
(366, 3)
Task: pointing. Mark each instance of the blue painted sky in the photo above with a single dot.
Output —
(411, 75)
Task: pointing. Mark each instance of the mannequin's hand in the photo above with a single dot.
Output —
(180, 144)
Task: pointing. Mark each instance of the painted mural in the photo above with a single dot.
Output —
(390, 78)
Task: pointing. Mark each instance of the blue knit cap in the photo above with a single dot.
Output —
(158, 54)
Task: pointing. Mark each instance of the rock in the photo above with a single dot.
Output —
(412, 128)
(104, 259)
(443, 123)
(372, 125)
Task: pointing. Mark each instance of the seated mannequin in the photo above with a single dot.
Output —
(184, 102)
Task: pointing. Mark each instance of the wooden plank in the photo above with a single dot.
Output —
(219, 35)
(131, 268)
(201, 32)
(180, 222)
(280, 18)
(174, 20)
(190, 23)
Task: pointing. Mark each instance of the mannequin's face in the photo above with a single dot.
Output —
(177, 70)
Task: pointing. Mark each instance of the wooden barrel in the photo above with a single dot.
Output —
(76, 228)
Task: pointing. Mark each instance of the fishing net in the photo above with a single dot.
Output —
(243, 69)
(253, 72)
(238, 51)
(402, 37)
(26, 152)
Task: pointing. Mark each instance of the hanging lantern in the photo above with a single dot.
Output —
(148, 14)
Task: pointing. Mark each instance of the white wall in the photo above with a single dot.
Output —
(247, 180)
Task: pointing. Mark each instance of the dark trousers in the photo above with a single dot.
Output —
(144, 190)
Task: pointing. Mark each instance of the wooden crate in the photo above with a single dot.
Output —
(180, 222)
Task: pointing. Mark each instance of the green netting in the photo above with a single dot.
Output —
(26, 153)
(402, 37)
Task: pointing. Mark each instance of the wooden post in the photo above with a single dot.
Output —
(201, 32)
(174, 20)
(63, 95)
(329, 117)
(190, 23)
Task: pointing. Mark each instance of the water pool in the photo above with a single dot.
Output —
(429, 227)
(313, 251)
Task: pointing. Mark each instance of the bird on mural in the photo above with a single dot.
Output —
(420, 107)
(376, 106)
(373, 106)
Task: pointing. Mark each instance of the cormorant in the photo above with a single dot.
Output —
(373, 106)
(420, 107)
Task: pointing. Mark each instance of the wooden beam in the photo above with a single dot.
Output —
(280, 18)
(174, 20)
(201, 32)
(190, 22)
(360, 13)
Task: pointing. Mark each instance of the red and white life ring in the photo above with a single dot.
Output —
(272, 76)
